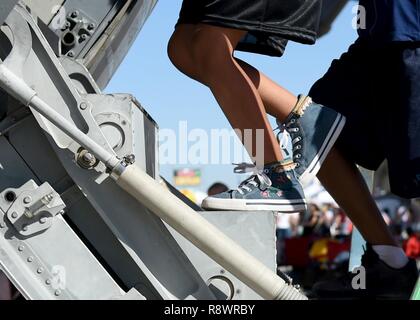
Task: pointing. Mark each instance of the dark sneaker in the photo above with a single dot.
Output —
(276, 188)
(382, 281)
(313, 129)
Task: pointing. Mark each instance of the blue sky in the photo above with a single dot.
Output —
(170, 97)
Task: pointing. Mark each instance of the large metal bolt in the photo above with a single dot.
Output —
(91, 26)
(84, 37)
(70, 54)
(83, 106)
(43, 220)
(75, 14)
(27, 200)
(130, 159)
(86, 160)
(89, 158)
(14, 215)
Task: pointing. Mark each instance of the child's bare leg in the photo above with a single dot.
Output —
(278, 101)
(205, 53)
(358, 204)
(209, 59)
(179, 50)
(345, 183)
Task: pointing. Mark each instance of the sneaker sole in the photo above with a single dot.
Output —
(284, 206)
(312, 170)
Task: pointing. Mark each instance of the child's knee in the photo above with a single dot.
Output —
(176, 51)
(200, 52)
(180, 53)
(210, 51)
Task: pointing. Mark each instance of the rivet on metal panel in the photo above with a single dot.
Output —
(14, 215)
(21, 247)
(27, 200)
(48, 282)
(30, 259)
(57, 292)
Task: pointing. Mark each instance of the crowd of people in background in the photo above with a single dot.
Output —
(309, 245)
(322, 236)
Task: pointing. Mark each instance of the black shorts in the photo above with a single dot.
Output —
(270, 22)
(377, 88)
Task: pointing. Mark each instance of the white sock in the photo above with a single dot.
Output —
(392, 256)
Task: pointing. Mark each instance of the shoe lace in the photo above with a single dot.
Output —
(258, 180)
(293, 129)
(291, 126)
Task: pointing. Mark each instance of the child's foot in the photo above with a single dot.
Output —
(379, 281)
(274, 189)
(314, 130)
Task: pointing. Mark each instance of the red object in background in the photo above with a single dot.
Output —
(412, 247)
(336, 247)
(297, 250)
